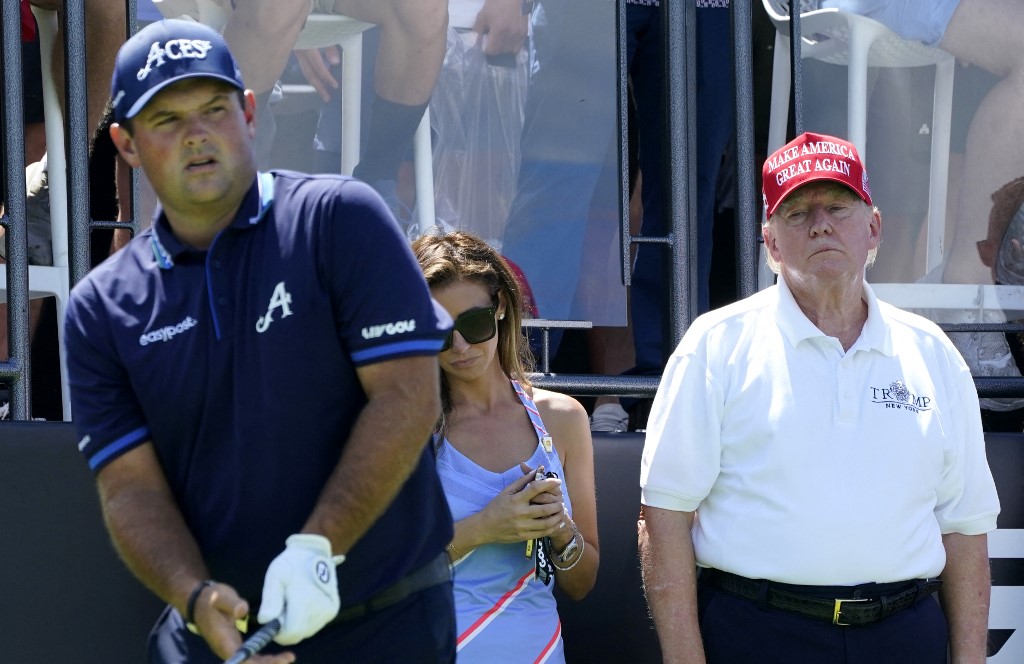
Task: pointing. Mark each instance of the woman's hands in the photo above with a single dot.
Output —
(524, 510)
(552, 495)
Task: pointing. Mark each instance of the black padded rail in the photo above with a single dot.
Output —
(67, 596)
(611, 624)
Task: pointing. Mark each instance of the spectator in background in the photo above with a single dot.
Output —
(985, 33)
(714, 105)
(32, 87)
(567, 172)
(105, 25)
(470, 187)
(102, 42)
(262, 33)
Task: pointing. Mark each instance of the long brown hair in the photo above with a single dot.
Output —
(460, 256)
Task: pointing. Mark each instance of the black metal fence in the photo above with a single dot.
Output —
(680, 192)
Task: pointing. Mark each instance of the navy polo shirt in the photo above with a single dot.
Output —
(238, 363)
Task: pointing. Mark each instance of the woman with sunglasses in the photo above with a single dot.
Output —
(516, 463)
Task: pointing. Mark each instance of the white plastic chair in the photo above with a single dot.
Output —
(347, 33)
(52, 281)
(858, 42)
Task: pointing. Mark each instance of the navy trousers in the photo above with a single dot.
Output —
(740, 631)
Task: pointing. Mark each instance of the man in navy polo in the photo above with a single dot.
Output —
(257, 372)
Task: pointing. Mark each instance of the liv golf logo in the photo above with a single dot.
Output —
(898, 396)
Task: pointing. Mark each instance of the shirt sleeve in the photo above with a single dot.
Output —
(966, 500)
(107, 417)
(682, 450)
(383, 308)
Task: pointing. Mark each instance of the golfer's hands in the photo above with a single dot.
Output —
(524, 510)
(215, 613)
(301, 588)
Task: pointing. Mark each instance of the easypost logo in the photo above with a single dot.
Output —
(167, 332)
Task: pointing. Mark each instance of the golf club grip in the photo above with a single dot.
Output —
(256, 642)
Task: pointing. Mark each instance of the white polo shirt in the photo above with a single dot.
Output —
(810, 465)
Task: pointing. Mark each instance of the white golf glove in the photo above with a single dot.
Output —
(301, 588)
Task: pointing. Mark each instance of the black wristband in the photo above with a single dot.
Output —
(193, 597)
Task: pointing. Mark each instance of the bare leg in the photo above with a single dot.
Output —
(412, 43)
(104, 34)
(987, 33)
(35, 142)
(261, 34)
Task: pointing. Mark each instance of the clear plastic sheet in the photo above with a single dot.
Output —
(476, 114)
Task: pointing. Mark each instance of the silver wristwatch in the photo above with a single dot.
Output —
(565, 554)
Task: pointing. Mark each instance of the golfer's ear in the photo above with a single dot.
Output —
(125, 144)
(249, 109)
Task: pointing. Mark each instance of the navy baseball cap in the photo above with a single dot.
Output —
(166, 52)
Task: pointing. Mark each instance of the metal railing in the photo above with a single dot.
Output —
(680, 193)
(17, 370)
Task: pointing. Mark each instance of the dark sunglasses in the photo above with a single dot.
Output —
(475, 325)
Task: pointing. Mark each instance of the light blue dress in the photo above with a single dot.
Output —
(503, 613)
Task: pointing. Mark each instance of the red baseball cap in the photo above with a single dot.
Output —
(811, 158)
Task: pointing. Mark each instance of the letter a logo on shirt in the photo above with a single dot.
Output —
(280, 299)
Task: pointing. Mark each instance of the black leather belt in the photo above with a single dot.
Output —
(854, 609)
(433, 573)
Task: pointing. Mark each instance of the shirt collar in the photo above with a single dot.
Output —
(796, 327)
(257, 200)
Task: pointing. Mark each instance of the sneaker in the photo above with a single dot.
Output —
(609, 417)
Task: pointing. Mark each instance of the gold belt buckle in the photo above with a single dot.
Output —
(839, 609)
